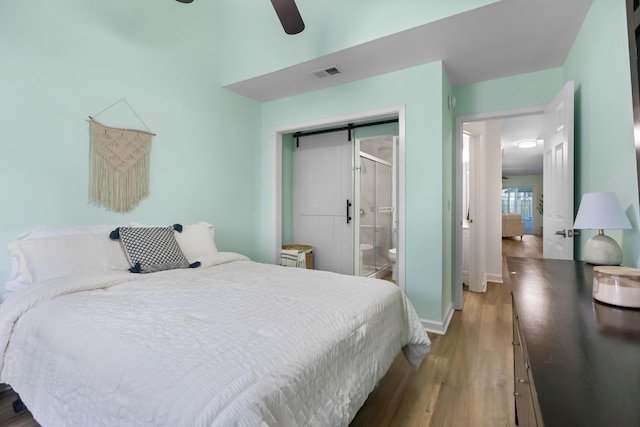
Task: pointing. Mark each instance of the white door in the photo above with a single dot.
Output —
(323, 200)
(558, 175)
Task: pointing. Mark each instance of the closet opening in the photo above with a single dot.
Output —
(341, 192)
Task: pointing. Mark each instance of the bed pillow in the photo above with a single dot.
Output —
(38, 259)
(152, 249)
(20, 277)
(50, 231)
(197, 242)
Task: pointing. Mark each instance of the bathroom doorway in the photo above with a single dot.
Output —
(362, 126)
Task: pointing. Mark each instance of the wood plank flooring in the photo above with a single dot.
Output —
(466, 379)
(529, 247)
(10, 419)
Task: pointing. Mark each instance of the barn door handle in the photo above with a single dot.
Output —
(348, 211)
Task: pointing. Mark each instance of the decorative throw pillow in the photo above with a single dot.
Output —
(151, 249)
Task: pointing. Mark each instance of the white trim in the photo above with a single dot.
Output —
(494, 278)
(439, 327)
(357, 182)
(276, 177)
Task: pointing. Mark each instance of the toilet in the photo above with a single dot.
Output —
(365, 256)
(392, 258)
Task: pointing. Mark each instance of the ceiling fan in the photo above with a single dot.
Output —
(287, 12)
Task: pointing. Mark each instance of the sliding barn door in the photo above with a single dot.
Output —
(323, 196)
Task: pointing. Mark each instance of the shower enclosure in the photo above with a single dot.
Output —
(376, 206)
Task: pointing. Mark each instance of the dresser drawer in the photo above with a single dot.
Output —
(523, 393)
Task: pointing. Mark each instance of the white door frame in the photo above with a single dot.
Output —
(476, 208)
(276, 180)
(458, 290)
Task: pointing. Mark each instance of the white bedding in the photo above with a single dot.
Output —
(237, 343)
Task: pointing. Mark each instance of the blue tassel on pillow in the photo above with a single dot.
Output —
(177, 227)
(135, 268)
(194, 264)
(115, 234)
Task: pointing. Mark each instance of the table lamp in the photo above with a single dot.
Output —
(601, 211)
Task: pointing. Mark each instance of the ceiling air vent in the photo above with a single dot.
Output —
(332, 71)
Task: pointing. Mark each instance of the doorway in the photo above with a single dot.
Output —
(483, 199)
(558, 183)
(283, 182)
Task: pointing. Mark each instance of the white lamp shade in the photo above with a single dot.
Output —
(600, 211)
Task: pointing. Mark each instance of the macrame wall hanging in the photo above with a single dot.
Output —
(120, 157)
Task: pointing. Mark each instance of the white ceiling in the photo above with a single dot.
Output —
(505, 38)
(517, 161)
(521, 161)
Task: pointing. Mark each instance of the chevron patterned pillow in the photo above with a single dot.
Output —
(151, 249)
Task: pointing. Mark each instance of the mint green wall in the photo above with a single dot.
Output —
(258, 45)
(605, 152)
(62, 62)
(510, 93)
(534, 181)
(378, 130)
(420, 90)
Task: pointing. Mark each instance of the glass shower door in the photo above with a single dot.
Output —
(384, 215)
(376, 214)
(367, 216)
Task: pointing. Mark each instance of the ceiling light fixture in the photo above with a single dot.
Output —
(527, 144)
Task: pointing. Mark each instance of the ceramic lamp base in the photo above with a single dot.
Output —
(602, 250)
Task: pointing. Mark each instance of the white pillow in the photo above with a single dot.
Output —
(16, 280)
(66, 255)
(197, 242)
(46, 231)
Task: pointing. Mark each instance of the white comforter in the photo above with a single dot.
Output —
(239, 343)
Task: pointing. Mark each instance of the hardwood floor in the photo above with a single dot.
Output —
(10, 419)
(530, 246)
(466, 379)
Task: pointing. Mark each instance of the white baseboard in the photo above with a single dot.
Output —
(441, 327)
(495, 278)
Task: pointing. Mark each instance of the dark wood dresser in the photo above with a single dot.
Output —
(576, 361)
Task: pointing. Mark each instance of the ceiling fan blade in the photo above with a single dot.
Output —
(289, 16)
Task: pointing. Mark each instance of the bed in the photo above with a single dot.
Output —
(226, 342)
